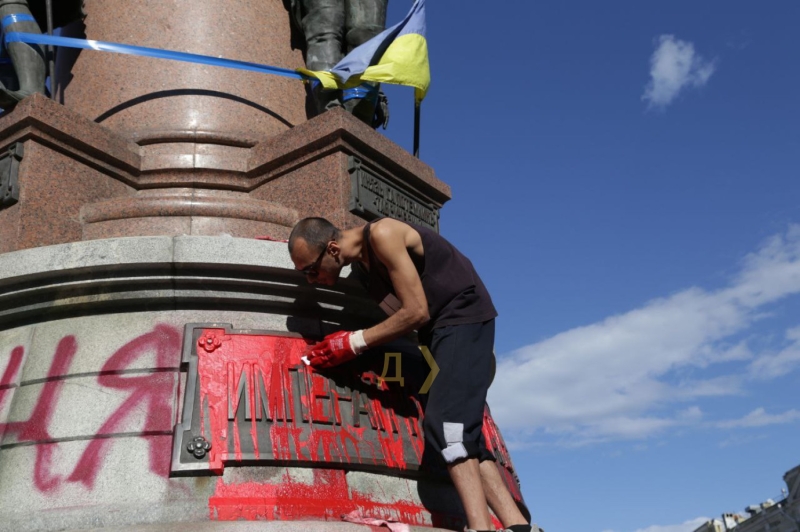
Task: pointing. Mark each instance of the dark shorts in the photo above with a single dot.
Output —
(456, 401)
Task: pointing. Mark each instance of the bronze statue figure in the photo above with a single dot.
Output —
(333, 28)
(23, 66)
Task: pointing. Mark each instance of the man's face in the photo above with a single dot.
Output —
(318, 266)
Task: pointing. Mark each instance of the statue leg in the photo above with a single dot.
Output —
(364, 20)
(28, 61)
(323, 26)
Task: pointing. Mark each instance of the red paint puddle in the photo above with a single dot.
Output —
(328, 498)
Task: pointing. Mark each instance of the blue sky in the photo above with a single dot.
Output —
(625, 179)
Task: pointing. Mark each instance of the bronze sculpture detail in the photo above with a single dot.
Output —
(333, 28)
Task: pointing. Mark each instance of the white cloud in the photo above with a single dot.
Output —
(674, 66)
(686, 526)
(631, 376)
(770, 365)
(760, 418)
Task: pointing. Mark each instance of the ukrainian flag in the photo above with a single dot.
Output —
(398, 55)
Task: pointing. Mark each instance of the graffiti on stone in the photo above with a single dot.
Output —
(152, 392)
(249, 395)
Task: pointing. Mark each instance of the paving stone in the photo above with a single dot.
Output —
(108, 342)
(79, 475)
(383, 488)
(85, 407)
(260, 526)
(228, 250)
(92, 253)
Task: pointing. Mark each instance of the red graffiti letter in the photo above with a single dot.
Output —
(154, 390)
(35, 428)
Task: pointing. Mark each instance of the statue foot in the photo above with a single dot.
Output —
(369, 104)
(9, 98)
(325, 100)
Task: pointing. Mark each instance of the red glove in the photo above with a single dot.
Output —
(336, 349)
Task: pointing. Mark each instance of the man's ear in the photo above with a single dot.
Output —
(335, 250)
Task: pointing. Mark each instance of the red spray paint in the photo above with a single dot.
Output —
(10, 373)
(265, 372)
(497, 446)
(328, 498)
(155, 391)
(35, 428)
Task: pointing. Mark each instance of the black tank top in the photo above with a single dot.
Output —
(455, 293)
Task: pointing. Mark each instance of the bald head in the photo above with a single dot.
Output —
(317, 232)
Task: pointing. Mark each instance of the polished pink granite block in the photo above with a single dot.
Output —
(141, 226)
(79, 180)
(338, 131)
(53, 187)
(9, 227)
(43, 119)
(317, 188)
(154, 100)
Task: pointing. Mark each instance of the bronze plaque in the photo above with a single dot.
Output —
(373, 196)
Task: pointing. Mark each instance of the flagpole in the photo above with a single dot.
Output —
(416, 127)
(51, 62)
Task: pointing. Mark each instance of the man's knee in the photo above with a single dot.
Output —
(448, 440)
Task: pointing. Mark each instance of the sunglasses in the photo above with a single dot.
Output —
(312, 270)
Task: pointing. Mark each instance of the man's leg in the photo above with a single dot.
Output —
(454, 412)
(364, 19)
(466, 477)
(498, 496)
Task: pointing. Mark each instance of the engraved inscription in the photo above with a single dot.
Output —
(373, 197)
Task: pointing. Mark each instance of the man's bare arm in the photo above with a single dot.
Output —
(389, 242)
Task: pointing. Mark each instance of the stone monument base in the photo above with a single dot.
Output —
(66, 178)
(92, 390)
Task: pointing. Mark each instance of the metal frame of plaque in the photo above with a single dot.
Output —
(373, 196)
(9, 175)
(363, 426)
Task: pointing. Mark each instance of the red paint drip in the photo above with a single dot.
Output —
(155, 390)
(497, 446)
(328, 498)
(250, 367)
(7, 380)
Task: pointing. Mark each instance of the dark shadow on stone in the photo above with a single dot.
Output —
(305, 327)
(298, 40)
(311, 107)
(67, 57)
(189, 92)
(64, 12)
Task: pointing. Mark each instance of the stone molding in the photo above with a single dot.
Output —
(164, 273)
(57, 127)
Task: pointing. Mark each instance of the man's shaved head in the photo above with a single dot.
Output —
(317, 232)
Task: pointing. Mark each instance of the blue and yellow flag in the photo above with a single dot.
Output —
(398, 55)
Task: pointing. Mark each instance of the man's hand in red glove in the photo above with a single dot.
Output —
(335, 349)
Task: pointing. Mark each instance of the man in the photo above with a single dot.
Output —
(423, 283)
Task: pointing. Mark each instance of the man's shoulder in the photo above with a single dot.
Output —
(388, 228)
